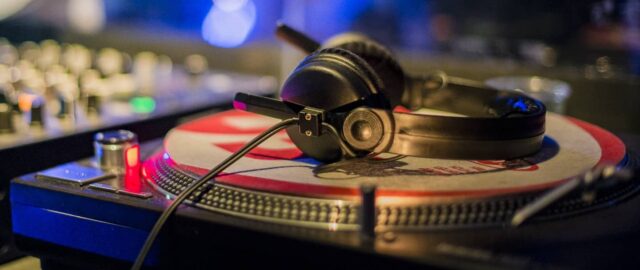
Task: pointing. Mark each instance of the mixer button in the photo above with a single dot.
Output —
(74, 173)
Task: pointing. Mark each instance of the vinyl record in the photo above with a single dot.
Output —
(570, 147)
(276, 182)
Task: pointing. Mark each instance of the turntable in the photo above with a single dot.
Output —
(289, 210)
(376, 168)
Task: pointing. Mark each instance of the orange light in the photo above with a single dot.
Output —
(133, 156)
(24, 101)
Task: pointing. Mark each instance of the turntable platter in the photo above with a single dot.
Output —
(570, 147)
(276, 183)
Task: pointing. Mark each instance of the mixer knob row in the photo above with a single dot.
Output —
(37, 79)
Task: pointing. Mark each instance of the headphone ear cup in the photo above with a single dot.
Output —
(325, 147)
(336, 80)
(382, 62)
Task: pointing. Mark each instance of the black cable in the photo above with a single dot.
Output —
(345, 148)
(204, 179)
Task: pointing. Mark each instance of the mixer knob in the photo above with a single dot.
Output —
(5, 74)
(127, 63)
(6, 118)
(89, 76)
(93, 103)
(29, 51)
(66, 107)
(66, 93)
(54, 74)
(144, 70)
(109, 61)
(93, 91)
(7, 94)
(49, 55)
(37, 112)
(165, 65)
(116, 151)
(196, 64)
(76, 58)
(8, 54)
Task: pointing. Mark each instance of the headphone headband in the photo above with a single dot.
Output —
(503, 124)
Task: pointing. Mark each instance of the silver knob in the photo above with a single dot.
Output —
(115, 151)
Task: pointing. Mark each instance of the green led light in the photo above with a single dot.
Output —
(143, 104)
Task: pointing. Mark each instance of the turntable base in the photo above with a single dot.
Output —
(276, 183)
(292, 211)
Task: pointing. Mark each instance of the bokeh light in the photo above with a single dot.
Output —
(229, 23)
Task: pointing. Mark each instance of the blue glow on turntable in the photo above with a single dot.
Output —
(308, 160)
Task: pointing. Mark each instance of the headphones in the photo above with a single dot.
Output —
(350, 86)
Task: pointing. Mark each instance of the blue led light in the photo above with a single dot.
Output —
(520, 105)
(229, 23)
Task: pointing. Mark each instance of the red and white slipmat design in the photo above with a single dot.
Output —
(571, 146)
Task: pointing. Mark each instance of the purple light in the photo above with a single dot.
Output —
(239, 105)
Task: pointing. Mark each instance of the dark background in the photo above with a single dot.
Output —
(592, 45)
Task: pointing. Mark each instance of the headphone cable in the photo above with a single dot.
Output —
(204, 179)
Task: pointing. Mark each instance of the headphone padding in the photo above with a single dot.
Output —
(383, 63)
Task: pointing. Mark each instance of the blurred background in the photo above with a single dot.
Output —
(593, 46)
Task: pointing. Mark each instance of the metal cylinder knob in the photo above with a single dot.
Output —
(116, 150)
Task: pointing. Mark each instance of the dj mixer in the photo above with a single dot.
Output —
(54, 97)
